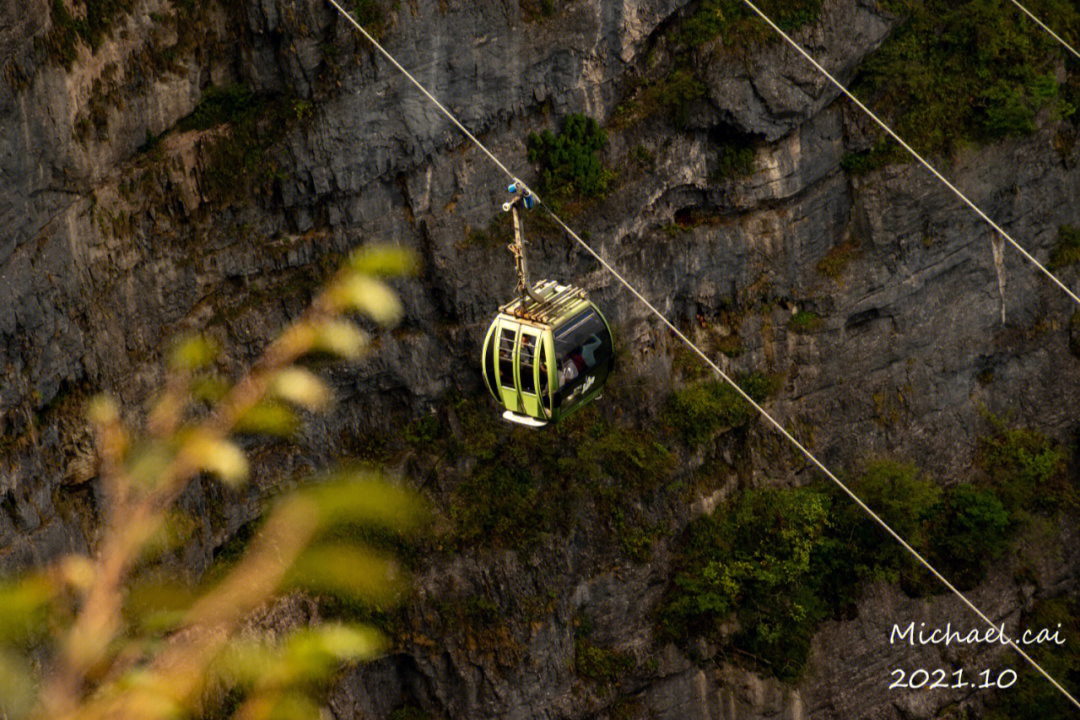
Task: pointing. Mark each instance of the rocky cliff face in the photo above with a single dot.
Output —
(125, 225)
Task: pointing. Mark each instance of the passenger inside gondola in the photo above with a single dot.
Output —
(576, 346)
(580, 360)
(588, 350)
(571, 368)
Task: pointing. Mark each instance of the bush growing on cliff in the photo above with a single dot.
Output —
(883, 152)
(753, 560)
(1025, 470)
(600, 664)
(91, 27)
(734, 158)
(761, 573)
(805, 321)
(837, 259)
(515, 494)
(679, 92)
(370, 14)
(1067, 250)
(758, 385)
(569, 164)
(941, 524)
(698, 411)
(1031, 697)
(905, 500)
(738, 25)
(231, 104)
(956, 72)
(238, 162)
(972, 518)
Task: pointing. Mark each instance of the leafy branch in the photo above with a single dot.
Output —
(109, 656)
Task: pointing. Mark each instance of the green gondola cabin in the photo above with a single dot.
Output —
(547, 354)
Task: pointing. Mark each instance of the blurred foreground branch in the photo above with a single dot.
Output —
(111, 652)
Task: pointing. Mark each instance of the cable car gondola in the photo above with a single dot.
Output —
(549, 351)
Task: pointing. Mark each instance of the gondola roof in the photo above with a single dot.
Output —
(559, 302)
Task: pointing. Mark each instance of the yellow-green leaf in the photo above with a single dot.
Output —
(210, 388)
(174, 531)
(360, 497)
(346, 571)
(147, 461)
(103, 410)
(78, 571)
(342, 642)
(220, 457)
(294, 706)
(192, 353)
(16, 686)
(382, 260)
(157, 605)
(366, 295)
(23, 607)
(139, 693)
(269, 418)
(313, 654)
(340, 337)
(301, 387)
(245, 662)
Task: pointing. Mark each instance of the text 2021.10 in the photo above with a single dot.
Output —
(940, 679)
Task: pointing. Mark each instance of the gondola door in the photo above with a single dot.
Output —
(530, 352)
(506, 340)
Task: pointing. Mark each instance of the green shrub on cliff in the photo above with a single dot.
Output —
(678, 93)
(91, 26)
(960, 72)
(238, 159)
(600, 664)
(698, 411)
(941, 524)
(901, 497)
(518, 491)
(760, 574)
(230, 104)
(738, 25)
(753, 560)
(370, 15)
(569, 164)
(1067, 250)
(805, 321)
(1025, 470)
(973, 518)
(1031, 697)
